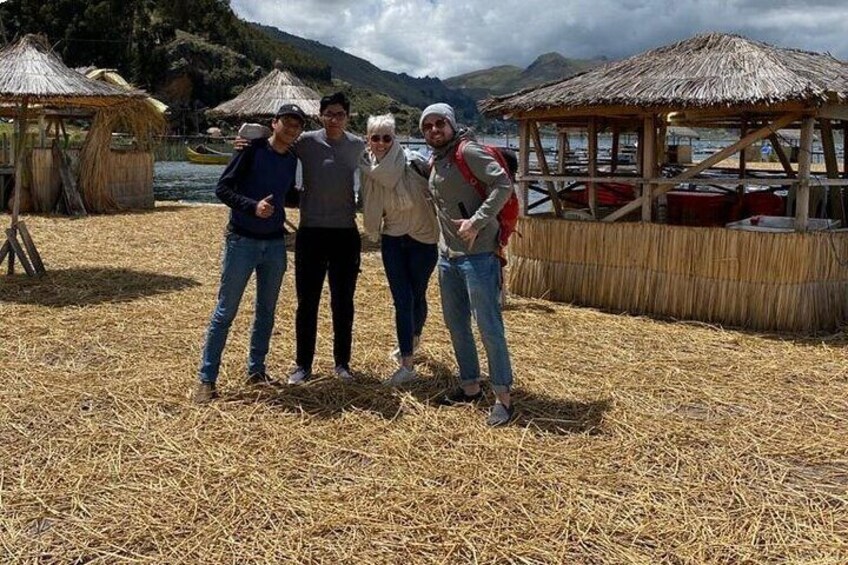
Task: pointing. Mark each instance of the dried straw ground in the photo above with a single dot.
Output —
(639, 441)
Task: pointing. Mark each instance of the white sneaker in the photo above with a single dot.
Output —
(343, 373)
(299, 376)
(402, 376)
(395, 354)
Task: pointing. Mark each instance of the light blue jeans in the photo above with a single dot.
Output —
(471, 284)
(243, 256)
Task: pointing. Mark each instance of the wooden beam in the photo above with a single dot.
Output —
(616, 135)
(668, 184)
(524, 163)
(781, 155)
(591, 188)
(743, 158)
(543, 164)
(833, 112)
(649, 165)
(32, 251)
(12, 240)
(802, 208)
(835, 201)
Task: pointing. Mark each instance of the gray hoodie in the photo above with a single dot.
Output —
(450, 189)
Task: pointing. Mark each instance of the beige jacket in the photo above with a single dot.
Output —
(395, 197)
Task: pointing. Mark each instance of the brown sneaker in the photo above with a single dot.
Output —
(204, 393)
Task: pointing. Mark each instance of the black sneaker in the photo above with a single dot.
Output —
(458, 396)
(261, 379)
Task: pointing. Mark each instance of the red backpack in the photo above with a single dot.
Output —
(508, 216)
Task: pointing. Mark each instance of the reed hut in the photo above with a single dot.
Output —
(760, 277)
(35, 83)
(260, 102)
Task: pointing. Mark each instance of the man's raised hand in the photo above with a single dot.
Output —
(264, 208)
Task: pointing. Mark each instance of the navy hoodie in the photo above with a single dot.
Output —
(251, 175)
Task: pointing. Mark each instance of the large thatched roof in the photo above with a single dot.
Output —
(707, 71)
(29, 70)
(263, 99)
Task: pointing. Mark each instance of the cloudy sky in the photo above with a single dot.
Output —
(444, 38)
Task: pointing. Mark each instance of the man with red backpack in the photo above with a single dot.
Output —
(469, 246)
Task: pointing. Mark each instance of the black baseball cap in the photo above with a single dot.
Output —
(291, 110)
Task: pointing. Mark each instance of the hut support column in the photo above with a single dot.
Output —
(27, 254)
(832, 166)
(802, 208)
(616, 135)
(743, 157)
(543, 165)
(649, 161)
(524, 163)
(591, 188)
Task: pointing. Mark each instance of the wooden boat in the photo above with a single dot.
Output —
(204, 156)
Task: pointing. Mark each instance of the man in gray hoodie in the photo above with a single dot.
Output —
(469, 269)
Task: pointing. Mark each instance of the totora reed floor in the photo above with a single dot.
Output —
(637, 441)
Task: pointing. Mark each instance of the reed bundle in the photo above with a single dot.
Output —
(100, 167)
(773, 281)
(638, 441)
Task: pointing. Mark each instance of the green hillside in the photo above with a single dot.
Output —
(412, 91)
(508, 78)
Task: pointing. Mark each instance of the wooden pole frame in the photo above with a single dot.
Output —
(802, 208)
(543, 164)
(668, 184)
(524, 164)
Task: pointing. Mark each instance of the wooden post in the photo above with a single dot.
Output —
(524, 163)
(591, 188)
(661, 149)
(743, 159)
(543, 165)
(616, 135)
(802, 208)
(832, 167)
(649, 161)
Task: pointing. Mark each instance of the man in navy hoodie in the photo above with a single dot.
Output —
(254, 186)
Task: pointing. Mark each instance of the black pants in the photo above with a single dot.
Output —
(319, 251)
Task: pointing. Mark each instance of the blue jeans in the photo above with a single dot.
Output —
(243, 256)
(471, 284)
(408, 264)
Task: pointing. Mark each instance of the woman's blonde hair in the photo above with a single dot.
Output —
(381, 123)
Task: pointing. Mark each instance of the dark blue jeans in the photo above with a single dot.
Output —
(242, 257)
(408, 264)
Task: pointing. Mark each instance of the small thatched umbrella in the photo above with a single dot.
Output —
(262, 100)
(31, 74)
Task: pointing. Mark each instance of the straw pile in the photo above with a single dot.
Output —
(638, 441)
(709, 70)
(796, 282)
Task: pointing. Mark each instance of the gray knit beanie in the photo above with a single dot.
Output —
(440, 109)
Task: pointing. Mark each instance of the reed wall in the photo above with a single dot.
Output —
(127, 175)
(765, 281)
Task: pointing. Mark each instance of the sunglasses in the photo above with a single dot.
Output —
(438, 124)
(385, 138)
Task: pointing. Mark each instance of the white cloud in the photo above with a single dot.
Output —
(448, 37)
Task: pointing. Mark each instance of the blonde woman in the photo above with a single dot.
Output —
(397, 212)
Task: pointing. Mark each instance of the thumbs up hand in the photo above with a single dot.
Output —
(264, 208)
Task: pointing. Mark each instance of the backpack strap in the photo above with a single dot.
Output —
(463, 167)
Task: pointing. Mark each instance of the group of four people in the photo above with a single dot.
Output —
(425, 214)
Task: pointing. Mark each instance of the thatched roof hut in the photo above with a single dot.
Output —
(262, 100)
(34, 81)
(741, 277)
(30, 72)
(707, 71)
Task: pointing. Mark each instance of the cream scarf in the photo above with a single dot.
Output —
(384, 186)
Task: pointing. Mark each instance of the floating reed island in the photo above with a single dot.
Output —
(694, 269)
(637, 441)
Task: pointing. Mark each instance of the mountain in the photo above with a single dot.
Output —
(418, 92)
(509, 78)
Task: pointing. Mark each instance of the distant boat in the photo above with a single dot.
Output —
(204, 156)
